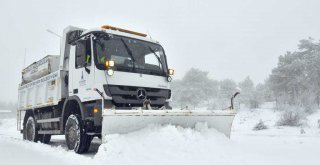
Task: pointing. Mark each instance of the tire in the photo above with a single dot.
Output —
(30, 131)
(75, 135)
(89, 139)
(45, 139)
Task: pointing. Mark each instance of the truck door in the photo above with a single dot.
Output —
(83, 72)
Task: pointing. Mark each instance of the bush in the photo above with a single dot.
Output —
(260, 126)
(291, 118)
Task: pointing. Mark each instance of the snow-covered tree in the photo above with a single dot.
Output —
(259, 96)
(247, 92)
(194, 88)
(296, 79)
(227, 88)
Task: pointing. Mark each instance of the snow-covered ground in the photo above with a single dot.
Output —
(173, 145)
(6, 113)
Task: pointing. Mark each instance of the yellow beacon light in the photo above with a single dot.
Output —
(123, 30)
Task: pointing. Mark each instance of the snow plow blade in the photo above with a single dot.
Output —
(124, 121)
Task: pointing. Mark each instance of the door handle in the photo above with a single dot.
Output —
(75, 91)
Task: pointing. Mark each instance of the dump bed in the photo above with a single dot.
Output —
(42, 92)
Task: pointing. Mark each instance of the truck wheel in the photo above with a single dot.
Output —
(30, 132)
(75, 135)
(45, 139)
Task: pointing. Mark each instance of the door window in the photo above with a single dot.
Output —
(83, 53)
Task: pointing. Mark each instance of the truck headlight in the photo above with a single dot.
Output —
(110, 72)
(171, 72)
(109, 63)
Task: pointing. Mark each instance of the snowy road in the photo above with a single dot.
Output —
(172, 145)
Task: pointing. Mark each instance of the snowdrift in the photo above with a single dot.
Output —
(165, 145)
(172, 145)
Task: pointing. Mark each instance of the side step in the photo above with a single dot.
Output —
(50, 120)
(51, 132)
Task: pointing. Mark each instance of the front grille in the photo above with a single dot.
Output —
(127, 96)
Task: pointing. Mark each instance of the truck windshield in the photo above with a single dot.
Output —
(130, 55)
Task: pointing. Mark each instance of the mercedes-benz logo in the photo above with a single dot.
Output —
(141, 94)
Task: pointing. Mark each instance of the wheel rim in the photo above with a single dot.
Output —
(30, 129)
(73, 132)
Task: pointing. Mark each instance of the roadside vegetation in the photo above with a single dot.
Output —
(294, 85)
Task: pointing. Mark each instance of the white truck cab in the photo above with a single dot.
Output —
(120, 65)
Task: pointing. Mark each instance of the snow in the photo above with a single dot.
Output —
(15, 151)
(5, 111)
(174, 145)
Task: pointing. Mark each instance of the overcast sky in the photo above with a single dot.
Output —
(230, 39)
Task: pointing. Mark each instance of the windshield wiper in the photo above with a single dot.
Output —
(129, 52)
(155, 54)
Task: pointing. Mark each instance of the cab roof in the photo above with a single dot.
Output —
(121, 32)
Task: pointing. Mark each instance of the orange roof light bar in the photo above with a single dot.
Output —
(123, 30)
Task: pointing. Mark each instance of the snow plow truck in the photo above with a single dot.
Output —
(106, 80)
